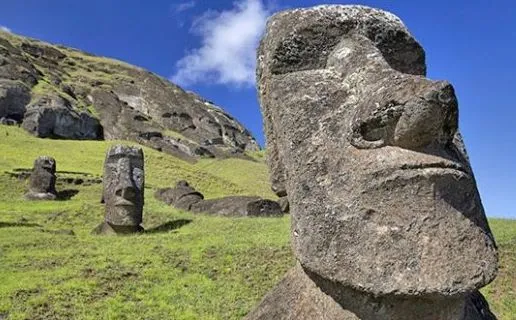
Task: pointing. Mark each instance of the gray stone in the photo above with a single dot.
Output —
(382, 196)
(304, 296)
(123, 194)
(283, 202)
(42, 182)
(54, 117)
(14, 97)
(185, 197)
(238, 206)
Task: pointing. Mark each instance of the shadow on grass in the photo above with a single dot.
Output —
(169, 226)
(66, 194)
(18, 224)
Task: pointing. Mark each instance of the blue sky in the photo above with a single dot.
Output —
(208, 47)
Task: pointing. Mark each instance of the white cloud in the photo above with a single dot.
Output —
(227, 53)
(5, 29)
(185, 6)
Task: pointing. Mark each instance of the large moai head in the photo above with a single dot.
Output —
(381, 192)
(42, 182)
(124, 188)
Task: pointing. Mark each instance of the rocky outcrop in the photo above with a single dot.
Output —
(54, 117)
(59, 92)
(387, 221)
(185, 197)
(14, 97)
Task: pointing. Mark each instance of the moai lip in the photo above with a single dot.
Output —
(123, 192)
(383, 199)
(42, 182)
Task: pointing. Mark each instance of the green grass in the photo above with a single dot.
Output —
(188, 267)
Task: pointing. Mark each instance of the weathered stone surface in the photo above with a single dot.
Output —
(14, 97)
(263, 208)
(382, 196)
(42, 182)
(239, 206)
(123, 194)
(185, 197)
(54, 117)
(300, 296)
(283, 202)
(129, 103)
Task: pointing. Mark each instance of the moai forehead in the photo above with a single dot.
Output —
(381, 192)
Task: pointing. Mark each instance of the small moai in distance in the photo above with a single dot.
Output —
(42, 181)
(387, 222)
(123, 193)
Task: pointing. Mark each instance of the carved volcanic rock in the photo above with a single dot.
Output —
(42, 183)
(383, 199)
(59, 92)
(185, 197)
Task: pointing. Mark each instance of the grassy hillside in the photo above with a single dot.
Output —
(185, 267)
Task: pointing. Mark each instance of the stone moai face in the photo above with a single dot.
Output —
(381, 193)
(42, 184)
(124, 186)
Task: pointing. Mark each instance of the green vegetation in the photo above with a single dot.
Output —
(185, 267)
(501, 293)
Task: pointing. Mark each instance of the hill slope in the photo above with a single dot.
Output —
(60, 92)
(187, 267)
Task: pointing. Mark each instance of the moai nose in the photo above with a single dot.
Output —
(125, 187)
(430, 117)
(126, 192)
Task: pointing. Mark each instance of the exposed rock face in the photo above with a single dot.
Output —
(185, 197)
(79, 96)
(42, 183)
(14, 97)
(382, 196)
(54, 117)
(124, 180)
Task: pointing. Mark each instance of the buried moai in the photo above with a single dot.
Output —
(185, 197)
(42, 181)
(387, 222)
(123, 192)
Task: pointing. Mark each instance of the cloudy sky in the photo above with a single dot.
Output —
(209, 47)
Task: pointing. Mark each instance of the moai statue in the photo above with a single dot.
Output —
(42, 182)
(123, 192)
(387, 222)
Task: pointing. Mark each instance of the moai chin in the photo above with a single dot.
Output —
(387, 221)
(42, 182)
(123, 192)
